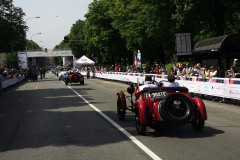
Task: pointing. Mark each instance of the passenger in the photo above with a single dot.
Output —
(147, 84)
(171, 82)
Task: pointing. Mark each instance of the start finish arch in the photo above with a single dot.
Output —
(57, 53)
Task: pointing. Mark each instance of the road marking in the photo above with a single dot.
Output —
(126, 133)
(37, 86)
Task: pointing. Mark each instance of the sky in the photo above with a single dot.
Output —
(56, 19)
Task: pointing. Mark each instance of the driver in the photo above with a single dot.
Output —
(147, 84)
(171, 82)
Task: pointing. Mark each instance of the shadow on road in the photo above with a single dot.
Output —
(57, 117)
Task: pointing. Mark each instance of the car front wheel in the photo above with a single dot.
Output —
(198, 122)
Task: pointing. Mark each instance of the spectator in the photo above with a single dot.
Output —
(230, 73)
(164, 70)
(105, 69)
(188, 69)
(173, 71)
(196, 70)
(237, 68)
(41, 73)
(116, 68)
(220, 72)
(206, 71)
(147, 69)
(156, 69)
(44, 71)
(213, 72)
(181, 70)
(235, 63)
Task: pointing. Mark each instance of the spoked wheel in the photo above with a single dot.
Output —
(198, 122)
(120, 113)
(141, 128)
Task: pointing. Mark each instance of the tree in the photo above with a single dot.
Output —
(12, 35)
(12, 26)
(77, 35)
(207, 19)
(101, 33)
(145, 25)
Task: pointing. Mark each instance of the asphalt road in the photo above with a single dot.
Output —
(48, 120)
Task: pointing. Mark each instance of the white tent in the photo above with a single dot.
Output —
(84, 61)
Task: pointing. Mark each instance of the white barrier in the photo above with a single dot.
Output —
(219, 87)
(12, 81)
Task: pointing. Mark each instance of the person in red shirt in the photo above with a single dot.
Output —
(116, 68)
(156, 70)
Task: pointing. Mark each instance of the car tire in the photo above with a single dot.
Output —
(176, 109)
(141, 128)
(198, 122)
(121, 114)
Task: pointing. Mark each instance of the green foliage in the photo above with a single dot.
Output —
(12, 60)
(77, 36)
(207, 19)
(56, 61)
(12, 27)
(169, 66)
(31, 45)
(114, 29)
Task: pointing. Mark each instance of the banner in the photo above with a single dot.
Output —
(61, 53)
(219, 87)
(139, 59)
(23, 60)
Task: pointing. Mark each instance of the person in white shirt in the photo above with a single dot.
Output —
(171, 82)
(213, 72)
(147, 84)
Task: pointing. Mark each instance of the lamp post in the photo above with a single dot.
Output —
(27, 20)
(32, 42)
(31, 18)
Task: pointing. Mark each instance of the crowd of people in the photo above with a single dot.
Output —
(179, 69)
(6, 73)
(29, 73)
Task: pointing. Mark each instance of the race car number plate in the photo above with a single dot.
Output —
(155, 94)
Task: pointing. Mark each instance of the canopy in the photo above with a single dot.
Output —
(228, 43)
(84, 61)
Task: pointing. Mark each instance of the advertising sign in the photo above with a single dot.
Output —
(23, 60)
(183, 44)
(139, 59)
(50, 53)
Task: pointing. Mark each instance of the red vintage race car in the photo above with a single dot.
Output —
(162, 105)
(72, 77)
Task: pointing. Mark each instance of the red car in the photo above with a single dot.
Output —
(74, 78)
(162, 105)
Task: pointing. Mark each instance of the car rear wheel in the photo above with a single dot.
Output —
(176, 109)
(141, 128)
